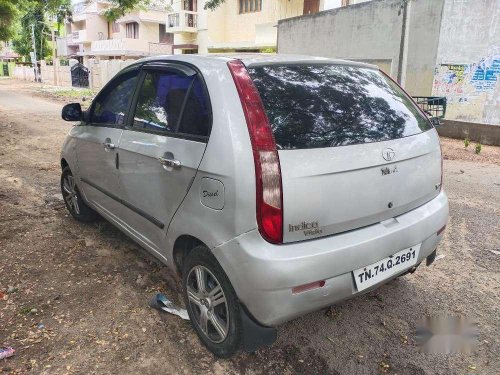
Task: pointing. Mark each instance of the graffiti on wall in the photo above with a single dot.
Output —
(470, 87)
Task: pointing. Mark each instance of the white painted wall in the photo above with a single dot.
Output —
(452, 47)
(368, 32)
(468, 60)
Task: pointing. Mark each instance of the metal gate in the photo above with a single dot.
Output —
(434, 106)
(79, 75)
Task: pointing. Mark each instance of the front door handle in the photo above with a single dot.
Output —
(169, 162)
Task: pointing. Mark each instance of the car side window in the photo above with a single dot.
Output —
(160, 100)
(196, 116)
(110, 107)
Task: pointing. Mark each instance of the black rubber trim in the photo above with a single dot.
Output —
(172, 66)
(138, 211)
(431, 258)
(255, 335)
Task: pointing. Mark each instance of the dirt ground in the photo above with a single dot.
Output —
(78, 299)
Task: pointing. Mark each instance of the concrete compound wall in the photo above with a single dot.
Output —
(100, 72)
(468, 61)
(420, 49)
(371, 32)
(451, 47)
(6, 67)
(482, 133)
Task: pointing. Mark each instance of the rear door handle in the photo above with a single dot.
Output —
(169, 162)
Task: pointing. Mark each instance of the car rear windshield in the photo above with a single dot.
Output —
(313, 106)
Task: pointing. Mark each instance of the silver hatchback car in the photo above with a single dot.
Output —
(274, 185)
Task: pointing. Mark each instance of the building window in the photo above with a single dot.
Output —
(189, 5)
(311, 6)
(132, 30)
(115, 27)
(249, 6)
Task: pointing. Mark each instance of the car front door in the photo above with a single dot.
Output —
(162, 147)
(98, 142)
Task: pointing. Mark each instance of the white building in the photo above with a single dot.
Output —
(137, 34)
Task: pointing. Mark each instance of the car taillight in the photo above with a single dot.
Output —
(266, 159)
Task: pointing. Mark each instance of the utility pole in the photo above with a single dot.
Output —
(54, 58)
(34, 51)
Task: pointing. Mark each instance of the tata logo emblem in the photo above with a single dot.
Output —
(388, 154)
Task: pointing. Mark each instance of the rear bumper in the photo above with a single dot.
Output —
(264, 274)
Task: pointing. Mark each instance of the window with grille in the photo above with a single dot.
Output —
(250, 6)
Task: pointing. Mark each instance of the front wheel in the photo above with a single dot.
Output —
(211, 303)
(73, 199)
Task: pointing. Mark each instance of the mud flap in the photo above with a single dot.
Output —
(255, 335)
(430, 259)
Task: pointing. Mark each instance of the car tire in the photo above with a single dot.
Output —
(213, 308)
(73, 198)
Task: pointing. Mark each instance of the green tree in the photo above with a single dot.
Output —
(121, 7)
(8, 14)
(213, 4)
(33, 15)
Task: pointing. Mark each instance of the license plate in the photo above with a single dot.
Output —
(383, 269)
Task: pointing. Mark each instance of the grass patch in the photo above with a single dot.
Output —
(70, 93)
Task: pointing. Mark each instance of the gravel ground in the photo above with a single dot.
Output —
(79, 304)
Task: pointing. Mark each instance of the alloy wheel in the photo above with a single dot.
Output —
(69, 193)
(208, 303)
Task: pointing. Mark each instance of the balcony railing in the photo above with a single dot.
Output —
(76, 37)
(129, 47)
(67, 47)
(182, 22)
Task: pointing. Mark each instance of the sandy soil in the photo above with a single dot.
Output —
(81, 291)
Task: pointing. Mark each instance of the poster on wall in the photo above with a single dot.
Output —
(485, 74)
(470, 88)
(467, 80)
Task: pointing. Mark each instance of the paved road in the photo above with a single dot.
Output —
(90, 285)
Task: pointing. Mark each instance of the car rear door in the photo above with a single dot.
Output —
(162, 147)
(98, 141)
(354, 149)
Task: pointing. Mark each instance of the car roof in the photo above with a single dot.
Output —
(256, 59)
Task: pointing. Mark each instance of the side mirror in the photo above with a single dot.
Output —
(435, 121)
(72, 112)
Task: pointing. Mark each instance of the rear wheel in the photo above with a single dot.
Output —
(211, 303)
(73, 199)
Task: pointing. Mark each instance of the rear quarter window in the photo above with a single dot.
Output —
(314, 106)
